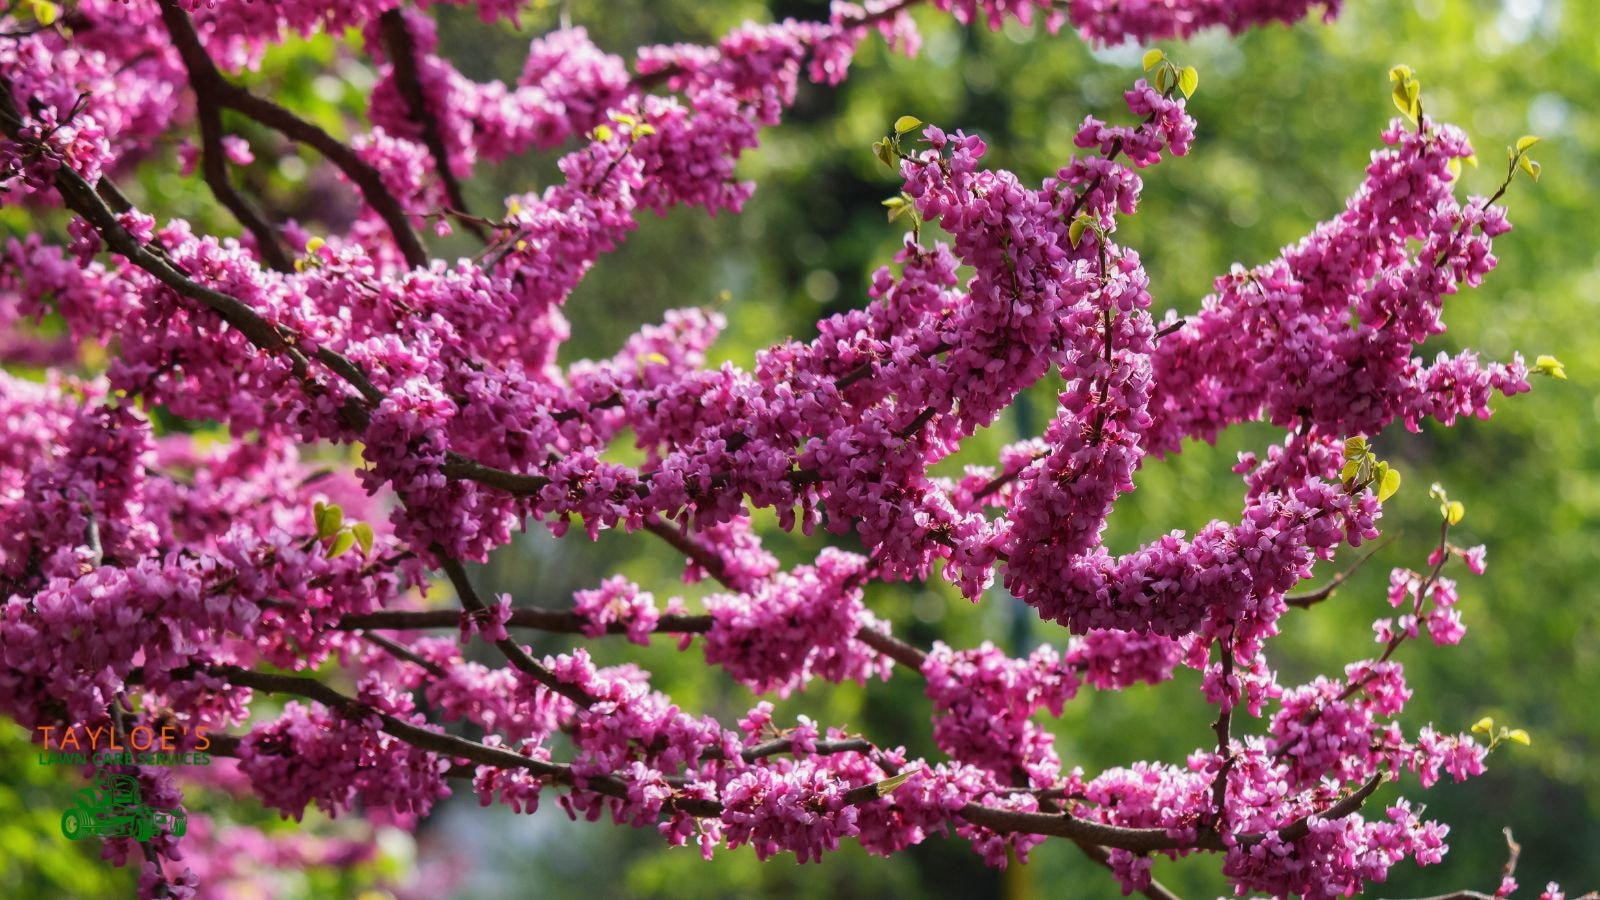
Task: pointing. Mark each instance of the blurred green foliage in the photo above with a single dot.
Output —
(1287, 120)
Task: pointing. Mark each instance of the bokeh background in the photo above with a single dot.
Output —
(1287, 120)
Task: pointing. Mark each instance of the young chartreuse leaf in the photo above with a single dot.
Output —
(907, 124)
(889, 784)
(1355, 448)
(329, 517)
(1407, 90)
(363, 534)
(1188, 80)
(1164, 79)
(1076, 229)
(1525, 142)
(1455, 512)
(1484, 725)
(1152, 57)
(1519, 735)
(883, 152)
(1388, 481)
(1549, 366)
(1350, 471)
(342, 544)
(43, 11)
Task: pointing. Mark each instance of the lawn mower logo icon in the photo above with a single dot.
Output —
(114, 807)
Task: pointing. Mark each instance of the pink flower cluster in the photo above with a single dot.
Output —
(334, 758)
(794, 625)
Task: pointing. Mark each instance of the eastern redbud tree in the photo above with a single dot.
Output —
(156, 583)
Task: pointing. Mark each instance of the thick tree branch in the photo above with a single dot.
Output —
(540, 619)
(86, 201)
(1149, 840)
(81, 198)
(1137, 840)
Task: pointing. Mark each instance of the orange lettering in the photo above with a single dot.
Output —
(149, 737)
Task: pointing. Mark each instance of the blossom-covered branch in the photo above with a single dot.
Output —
(154, 579)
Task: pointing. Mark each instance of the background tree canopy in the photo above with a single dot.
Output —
(1287, 119)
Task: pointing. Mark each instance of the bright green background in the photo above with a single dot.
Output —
(1287, 120)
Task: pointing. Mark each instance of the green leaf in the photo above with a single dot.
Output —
(1151, 57)
(1076, 229)
(880, 149)
(1355, 448)
(1188, 80)
(44, 12)
(889, 784)
(1350, 470)
(1388, 481)
(363, 533)
(1525, 142)
(329, 517)
(1484, 725)
(907, 124)
(342, 544)
(1455, 512)
(1164, 79)
(1406, 92)
(1550, 366)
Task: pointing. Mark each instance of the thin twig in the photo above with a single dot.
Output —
(1305, 601)
(203, 79)
(403, 56)
(513, 651)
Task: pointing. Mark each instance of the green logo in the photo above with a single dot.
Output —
(115, 807)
